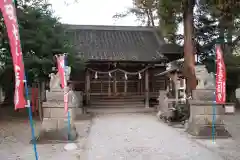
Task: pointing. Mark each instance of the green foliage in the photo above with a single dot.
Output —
(215, 22)
(144, 10)
(169, 13)
(42, 36)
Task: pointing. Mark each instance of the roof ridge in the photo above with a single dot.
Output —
(110, 27)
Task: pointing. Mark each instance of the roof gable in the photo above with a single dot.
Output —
(116, 43)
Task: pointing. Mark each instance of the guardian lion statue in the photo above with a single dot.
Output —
(55, 82)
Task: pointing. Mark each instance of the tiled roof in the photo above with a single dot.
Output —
(117, 43)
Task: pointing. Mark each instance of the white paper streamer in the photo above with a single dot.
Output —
(109, 73)
(139, 76)
(96, 76)
(126, 76)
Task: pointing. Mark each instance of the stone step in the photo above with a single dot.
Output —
(119, 97)
(118, 106)
(116, 103)
(118, 100)
(120, 110)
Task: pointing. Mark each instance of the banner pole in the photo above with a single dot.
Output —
(69, 126)
(30, 119)
(215, 99)
(68, 112)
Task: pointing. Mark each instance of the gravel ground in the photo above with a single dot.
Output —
(140, 137)
(121, 137)
(15, 135)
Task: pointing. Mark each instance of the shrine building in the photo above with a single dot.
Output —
(120, 63)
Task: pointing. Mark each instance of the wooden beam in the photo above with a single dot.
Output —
(125, 87)
(87, 87)
(146, 89)
(115, 83)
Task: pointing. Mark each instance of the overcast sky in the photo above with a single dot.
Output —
(93, 12)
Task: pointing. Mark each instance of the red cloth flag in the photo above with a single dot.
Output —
(220, 77)
(61, 72)
(61, 69)
(9, 15)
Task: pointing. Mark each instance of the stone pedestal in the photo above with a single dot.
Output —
(203, 115)
(55, 120)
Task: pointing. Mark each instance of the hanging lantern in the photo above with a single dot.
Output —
(96, 76)
(139, 76)
(109, 73)
(126, 76)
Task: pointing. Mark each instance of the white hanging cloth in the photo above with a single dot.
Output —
(126, 76)
(109, 73)
(139, 76)
(96, 75)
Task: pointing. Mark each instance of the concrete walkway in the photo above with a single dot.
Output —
(140, 137)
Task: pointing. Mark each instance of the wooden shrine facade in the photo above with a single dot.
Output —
(120, 61)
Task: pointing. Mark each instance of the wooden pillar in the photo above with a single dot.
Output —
(176, 87)
(125, 87)
(175, 81)
(139, 87)
(87, 87)
(146, 89)
(115, 84)
(109, 86)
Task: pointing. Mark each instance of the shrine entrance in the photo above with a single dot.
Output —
(117, 80)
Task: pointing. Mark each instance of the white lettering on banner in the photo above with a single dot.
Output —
(17, 83)
(17, 54)
(219, 86)
(219, 96)
(220, 78)
(10, 11)
(15, 32)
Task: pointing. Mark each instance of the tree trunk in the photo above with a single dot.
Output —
(151, 17)
(7, 81)
(189, 52)
(9, 95)
(148, 17)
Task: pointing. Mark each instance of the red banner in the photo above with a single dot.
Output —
(220, 77)
(61, 69)
(10, 19)
(61, 72)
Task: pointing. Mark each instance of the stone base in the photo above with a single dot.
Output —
(201, 120)
(206, 131)
(55, 119)
(56, 130)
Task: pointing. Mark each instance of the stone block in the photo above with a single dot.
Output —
(49, 124)
(206, 109)
(55, 96)
(229, 108)
(204, 94)
(206, 120)
(53, 104)
(46, 112)
(57, 113)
